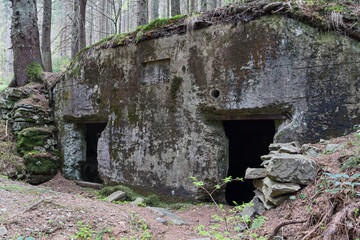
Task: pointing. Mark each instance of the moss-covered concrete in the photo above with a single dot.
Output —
(161, 130)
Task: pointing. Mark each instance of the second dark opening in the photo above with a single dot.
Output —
(248, 140)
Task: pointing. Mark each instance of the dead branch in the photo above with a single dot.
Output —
(34, 205)
(277, 229)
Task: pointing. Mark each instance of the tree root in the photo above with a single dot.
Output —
(339, 220)
(277, 229)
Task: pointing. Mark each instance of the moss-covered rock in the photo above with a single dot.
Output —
(30, 138)
(41, 166)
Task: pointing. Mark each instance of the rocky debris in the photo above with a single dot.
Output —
(330, 148)
(277, 146)
(310, 151)
(89, 184)
(117, 196)
(292, 169)
(289, 149)
(27, 113)
(3, 231)
(171, 216)
(256, 208)
(255, 173)
(138, 201)
(274, 189)
(284, 172)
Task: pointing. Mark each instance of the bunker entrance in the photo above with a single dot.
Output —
(89, 169)
(248, 140)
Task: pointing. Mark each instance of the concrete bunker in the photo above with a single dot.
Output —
(166, 100)
(248, 140)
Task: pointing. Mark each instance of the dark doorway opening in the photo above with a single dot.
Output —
(89, 169)
(248, 140)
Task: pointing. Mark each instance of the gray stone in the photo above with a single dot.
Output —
(267, 157)
(292, 169)
(255, 173)
(138, 201)
(6, 104)
(289, 149)
(277, 201)
(90, 184)
(310, 151)
(323, 141)
(117, 196)
(167, 213)
(3, 231)
(256, 208)
(15, 94)
(330, 148)
(278, 146)
(275, 189)
(267, 204)
(163, 221)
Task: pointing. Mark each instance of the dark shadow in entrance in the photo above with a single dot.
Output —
(89, 169)
(248, 140)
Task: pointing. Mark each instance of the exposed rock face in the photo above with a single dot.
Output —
(30, 118)
(164, 100)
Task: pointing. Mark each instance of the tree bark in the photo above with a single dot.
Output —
(9, 52)
(75, 31)
(46, 36)
(141, 12)
(203, 5)
(24, 38)
(175, 7)
(154, 9)
(82, 19)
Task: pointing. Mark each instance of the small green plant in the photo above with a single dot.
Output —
(230, 222)
(84, 231)
(342, 182)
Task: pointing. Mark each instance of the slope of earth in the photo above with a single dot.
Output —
(59, 209)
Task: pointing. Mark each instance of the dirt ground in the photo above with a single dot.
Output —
(60, 209)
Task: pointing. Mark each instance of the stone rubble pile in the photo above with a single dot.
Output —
(28, 115)
(286, 169)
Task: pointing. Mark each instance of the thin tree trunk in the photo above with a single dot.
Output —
(9, 52)
(82, 19)
(46, 36)
(25, 39)
(75, 31)
(91, 25)
(141, 12)
(154, 9)
(175, 7)
(213, 4)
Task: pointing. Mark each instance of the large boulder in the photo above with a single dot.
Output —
(292, 169)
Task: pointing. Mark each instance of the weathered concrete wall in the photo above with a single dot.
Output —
(162, 114)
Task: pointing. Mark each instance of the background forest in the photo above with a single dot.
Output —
(63, 36)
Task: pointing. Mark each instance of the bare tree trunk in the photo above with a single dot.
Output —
(154, 9)
(91, 25)
(9, 52)
(25, 39)
(75, 31)
(46, 36)
(141, 12)
(192, 6)
(175, 7)
(102, 19)
(82, 18)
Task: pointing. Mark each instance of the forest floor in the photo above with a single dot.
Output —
(60, 209)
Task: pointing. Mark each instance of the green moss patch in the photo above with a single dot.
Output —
(29, 138)
(40, 163)
(34, 72)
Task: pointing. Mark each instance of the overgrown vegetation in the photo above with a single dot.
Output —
(231, 223)
(34, 72)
